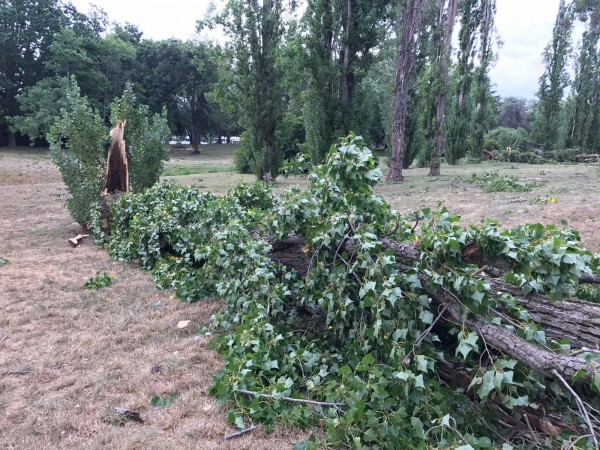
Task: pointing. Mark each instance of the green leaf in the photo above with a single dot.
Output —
(239, 422)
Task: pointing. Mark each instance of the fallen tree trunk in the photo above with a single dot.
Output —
(557, 318)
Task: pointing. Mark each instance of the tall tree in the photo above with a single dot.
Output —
(486, 56)
(198, 78)
(554, 80)
(340, 41)
(515, 113)
(585, 121)
(446, 19)
(460, 124)
(255, 31)
(27, 28)
(412, 16)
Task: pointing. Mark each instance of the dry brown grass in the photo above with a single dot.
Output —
(90, 351)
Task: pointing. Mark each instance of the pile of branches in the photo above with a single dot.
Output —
(380, 330)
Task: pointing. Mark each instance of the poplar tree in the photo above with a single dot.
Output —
(584, 126)
(256, 30)
(546, 128)
(482, 79)
(460, 123)
(340, 41)
(445, 21)
(411, 22)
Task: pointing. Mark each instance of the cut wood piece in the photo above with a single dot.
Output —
(75, 241)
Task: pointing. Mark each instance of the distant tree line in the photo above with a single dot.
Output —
(290, 84)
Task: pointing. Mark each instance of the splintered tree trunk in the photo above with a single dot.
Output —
(117, 170)
(412, 17)
(447, 22)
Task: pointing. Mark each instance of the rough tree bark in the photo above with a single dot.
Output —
(412, 17)
(446, 22)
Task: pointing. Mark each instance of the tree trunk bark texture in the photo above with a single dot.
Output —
(446, 22)
(411, 27)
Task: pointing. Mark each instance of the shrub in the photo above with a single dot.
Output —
(78, 144)
(499, 139)
(568, 155)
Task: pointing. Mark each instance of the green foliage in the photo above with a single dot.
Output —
(146, 138)
(98, 281)
(3, 261)
(78, 143)
(27, 29)
(499, 139)
(40, 105)
(588, 292)
(568, 155)
(356, 330)
(158, 402)
(544, 258)
(493, 181)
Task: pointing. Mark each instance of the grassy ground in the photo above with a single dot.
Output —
(576, 189)
(81, 352)
(84, 352)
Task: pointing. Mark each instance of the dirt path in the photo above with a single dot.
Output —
(85, 352)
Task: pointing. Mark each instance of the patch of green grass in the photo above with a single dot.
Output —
(193, 170)
(98, 281)
(3, 261)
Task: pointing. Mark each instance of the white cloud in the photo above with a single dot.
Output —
(158, 19)
(525, 27)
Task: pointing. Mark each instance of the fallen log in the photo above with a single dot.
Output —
(575, 320)
(553, 316)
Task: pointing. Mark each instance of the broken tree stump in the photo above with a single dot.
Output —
(117, 168)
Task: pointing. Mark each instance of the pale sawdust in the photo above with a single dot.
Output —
(91, 351)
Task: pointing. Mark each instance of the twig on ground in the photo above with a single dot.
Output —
(16, 372)
(478, 271)
(581, 406)
(240, 433)
(294, 400)
(537, 442)
(75, 241)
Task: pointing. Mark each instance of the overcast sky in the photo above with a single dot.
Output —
(524, 26)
